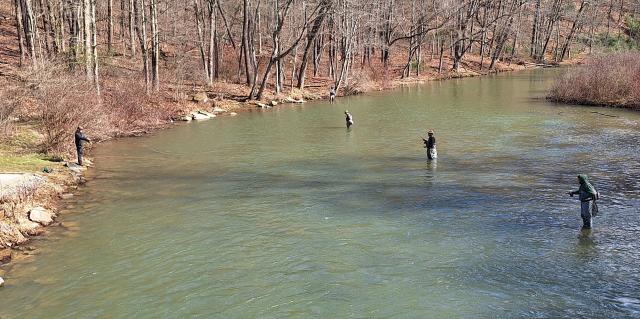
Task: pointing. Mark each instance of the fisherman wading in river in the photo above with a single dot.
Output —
(588, 196)
(430, 145)
(348, 118)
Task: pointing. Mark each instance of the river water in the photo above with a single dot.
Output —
(286, 214)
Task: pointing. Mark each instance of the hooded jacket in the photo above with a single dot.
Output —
(586, 191)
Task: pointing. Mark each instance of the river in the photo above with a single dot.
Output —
(286, 214)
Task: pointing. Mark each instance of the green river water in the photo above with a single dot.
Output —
(286, 214)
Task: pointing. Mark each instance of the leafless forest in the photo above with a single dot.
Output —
(273, 44)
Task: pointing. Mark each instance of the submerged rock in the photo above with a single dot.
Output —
(233, 113)
(41, 215)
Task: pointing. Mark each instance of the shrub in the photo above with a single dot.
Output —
(9, 103)
(605, 80)
(129, 107)
(64, 101)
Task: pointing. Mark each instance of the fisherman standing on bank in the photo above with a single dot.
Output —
(332, 94)
(80, 138)
(430, 145)
(348, 118)
(587, 194)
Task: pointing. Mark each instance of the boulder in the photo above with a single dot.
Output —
(292, 100)
(218, 110)
(1, 282)
(233, 113)
(207, 113)
(5, 256)
(262, 105)
(274, 103)
(41, 216)
(28, 227)
(201, 97)
(75, 167)
(199, 116)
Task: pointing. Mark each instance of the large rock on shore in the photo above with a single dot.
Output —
(13, 185)
(1, 282)
(292, 100)
(5, 256)
(199, 116)
(28, 228)
(78, 169)
(218, 110)
(41, 216)
(201, 97)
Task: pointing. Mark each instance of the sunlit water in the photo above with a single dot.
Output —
(286, 214)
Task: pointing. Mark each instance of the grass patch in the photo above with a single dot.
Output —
(19, 151)
(25, 163)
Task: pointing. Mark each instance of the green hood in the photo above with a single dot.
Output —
(586, 186)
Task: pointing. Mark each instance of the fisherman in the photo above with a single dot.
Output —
(430, 145)
(587, 194)
(80, 138)
(348, 118)
(332, 94)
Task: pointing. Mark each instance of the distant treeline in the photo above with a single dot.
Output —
(262, 42)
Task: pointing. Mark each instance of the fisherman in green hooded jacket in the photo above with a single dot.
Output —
(587, 194)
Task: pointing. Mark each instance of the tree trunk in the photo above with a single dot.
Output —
(30, 29)
(141, 30)
(94, 48)
(110, 26)
(19, 29)
(88, 64)
(583, 5)
(155, 46)
(311, 38)
(199, 25)
(132, 26)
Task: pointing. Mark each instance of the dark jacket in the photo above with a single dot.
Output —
(80, 139)
(430, 143)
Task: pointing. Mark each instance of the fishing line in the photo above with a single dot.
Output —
(155, 150)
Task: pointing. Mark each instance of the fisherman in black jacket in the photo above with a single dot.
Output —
(430, 145)
(80, 138)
